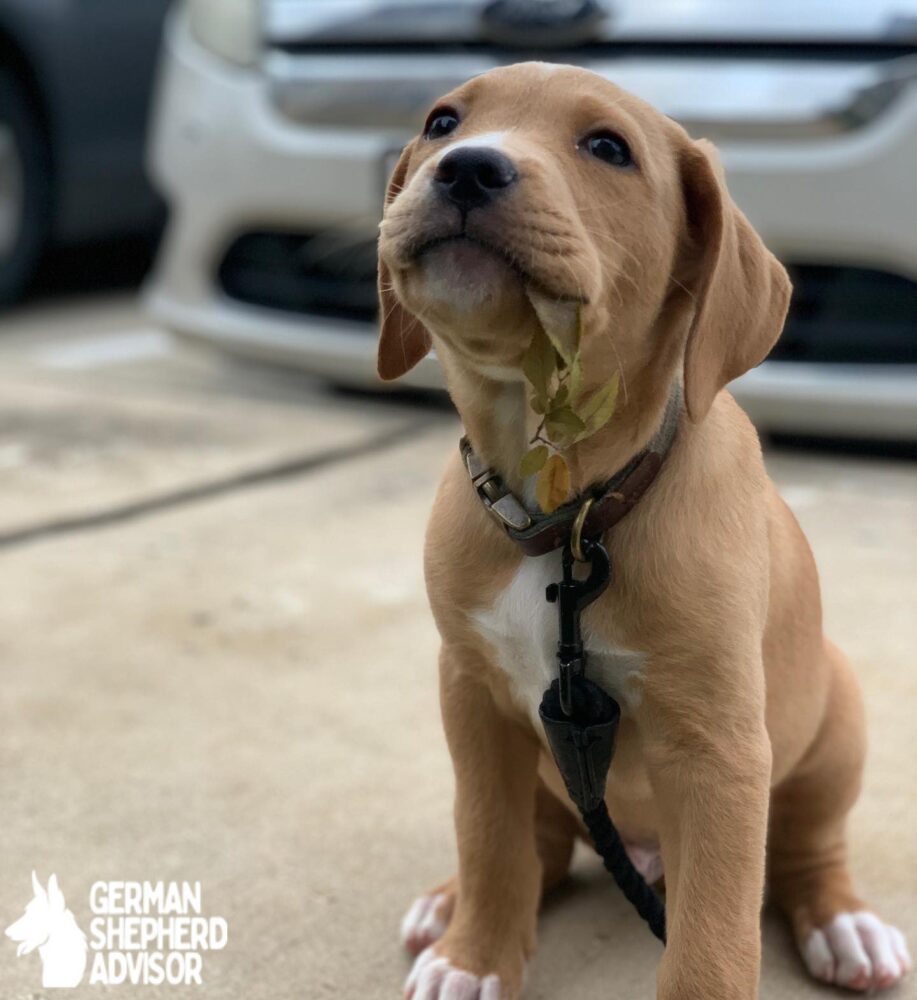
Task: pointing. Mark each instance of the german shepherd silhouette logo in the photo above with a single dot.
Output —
(50, 927)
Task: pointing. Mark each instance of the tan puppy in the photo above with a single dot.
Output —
(742, 723)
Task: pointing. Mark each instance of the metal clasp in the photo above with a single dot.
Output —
(497, 499)
(573, 597)
(576, 532)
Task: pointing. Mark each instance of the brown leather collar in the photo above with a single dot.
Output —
(536, 533)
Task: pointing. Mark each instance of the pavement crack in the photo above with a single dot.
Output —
(271, 473)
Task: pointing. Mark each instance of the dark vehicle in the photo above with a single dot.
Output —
(75, 83)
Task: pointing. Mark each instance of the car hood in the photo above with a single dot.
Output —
(507, 22)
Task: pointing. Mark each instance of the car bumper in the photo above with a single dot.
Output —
(231, 157)
(874, 401)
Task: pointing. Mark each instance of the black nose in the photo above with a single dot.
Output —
(472, 175)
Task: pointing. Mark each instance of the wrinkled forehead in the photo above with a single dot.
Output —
(548, 100)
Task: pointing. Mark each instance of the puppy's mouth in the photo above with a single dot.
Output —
(479, 247)
(464, 238)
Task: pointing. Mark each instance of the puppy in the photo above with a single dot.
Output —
(537, 192)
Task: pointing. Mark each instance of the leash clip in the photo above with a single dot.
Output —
(572, 597)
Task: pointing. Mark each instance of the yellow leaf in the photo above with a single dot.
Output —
(600, 406)
(553, 484)
(533, 460)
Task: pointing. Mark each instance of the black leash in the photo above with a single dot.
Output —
(580, 719)
(581, 723)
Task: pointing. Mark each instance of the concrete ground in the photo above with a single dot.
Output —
(218, 665)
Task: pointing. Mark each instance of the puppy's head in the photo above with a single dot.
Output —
(546, 195)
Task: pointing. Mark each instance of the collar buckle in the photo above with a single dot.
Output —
(498, 501)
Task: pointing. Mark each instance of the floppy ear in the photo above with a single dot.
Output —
(741, 290)
(403, 339)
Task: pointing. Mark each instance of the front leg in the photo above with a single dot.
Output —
(482, 954)
(709, 762)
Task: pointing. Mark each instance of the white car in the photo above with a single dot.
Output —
(277, 121)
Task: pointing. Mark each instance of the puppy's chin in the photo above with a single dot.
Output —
(467, 279)
(472, 301)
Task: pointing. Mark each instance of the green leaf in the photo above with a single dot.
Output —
(563, 345)
(567, 338)
(561, 320)
(560, 397)
(553, 484)
(538, 365)
(575, 379)
(533, 461)
(564, 421)
(600, 406)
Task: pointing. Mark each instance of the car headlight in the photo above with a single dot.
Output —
(229, 28)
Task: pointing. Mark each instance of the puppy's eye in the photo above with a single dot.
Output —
(441, 122)
(611, 148)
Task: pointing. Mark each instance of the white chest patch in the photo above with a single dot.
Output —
(522, 628)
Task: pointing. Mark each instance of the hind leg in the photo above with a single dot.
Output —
(556, 831)
(840, 939)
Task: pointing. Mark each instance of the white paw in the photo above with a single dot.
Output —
(435, 978)
(426, 921)
(647, 861)
(858, 951)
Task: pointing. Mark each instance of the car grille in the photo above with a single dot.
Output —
(838, 314)
(849, 315)
(319, 274)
